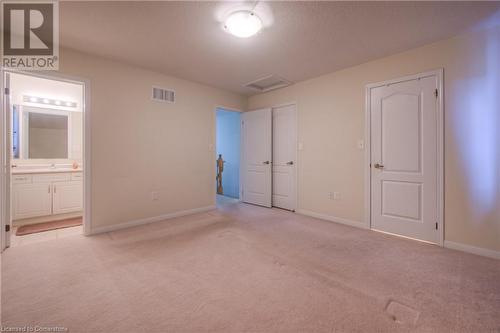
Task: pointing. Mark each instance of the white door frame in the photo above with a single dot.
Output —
(240, 195)
(87, 165)
(295, 197)
(440, 146)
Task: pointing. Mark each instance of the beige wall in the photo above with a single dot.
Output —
(331, 120)
(139, 145)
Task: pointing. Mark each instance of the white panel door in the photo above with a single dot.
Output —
(31, 200)
(257, 156)
(404, 165)
(68, 197)
(284, 156)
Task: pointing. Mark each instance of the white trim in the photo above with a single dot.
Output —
(438, 73)
(367, 160)
(401, 236)
(148, 220)
(4, 162)
(284, 104)
(87, 160)
(87, 172)
(472, 249)
(440, 154)
(447, 244)
(228, 108)
(330, 218)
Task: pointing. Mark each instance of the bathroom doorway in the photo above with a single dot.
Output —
(44, 155)
(228, 133)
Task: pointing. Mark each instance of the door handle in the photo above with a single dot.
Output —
(289, 163)
(266, 162)
(378, 166)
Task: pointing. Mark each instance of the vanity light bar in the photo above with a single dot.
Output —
(48, 101)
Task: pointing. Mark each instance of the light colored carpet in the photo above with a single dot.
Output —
(248, 269)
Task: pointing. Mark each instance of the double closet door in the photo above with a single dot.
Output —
(269, 157)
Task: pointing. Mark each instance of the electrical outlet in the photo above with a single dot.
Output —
(155, 195)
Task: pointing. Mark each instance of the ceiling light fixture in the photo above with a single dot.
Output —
(41, 100)
(243, 23)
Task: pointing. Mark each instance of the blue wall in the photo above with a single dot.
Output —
(228, 144)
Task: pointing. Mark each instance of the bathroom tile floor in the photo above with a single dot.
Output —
(43, 236)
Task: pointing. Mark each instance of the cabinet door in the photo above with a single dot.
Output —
(68, 197)
(31, 200)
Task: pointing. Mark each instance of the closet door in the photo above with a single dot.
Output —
(284, 156)
(257, 157)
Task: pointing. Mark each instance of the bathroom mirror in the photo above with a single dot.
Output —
(39, 133)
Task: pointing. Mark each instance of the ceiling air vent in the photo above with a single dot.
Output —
(163, 95)
(268, 83)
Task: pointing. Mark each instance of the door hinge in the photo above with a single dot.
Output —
(7, 91)
(436, 226)
(436, 93)
(7, 227)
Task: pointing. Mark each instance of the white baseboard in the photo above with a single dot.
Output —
(330, 218)
(135, 223)
(472, 249)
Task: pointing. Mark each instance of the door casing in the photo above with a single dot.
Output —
(438, 73)
(87, 165)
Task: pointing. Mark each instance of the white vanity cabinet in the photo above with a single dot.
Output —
(35, 195)
(31, 200)
(67, 197)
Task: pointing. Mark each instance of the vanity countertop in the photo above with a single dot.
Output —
(22, 171)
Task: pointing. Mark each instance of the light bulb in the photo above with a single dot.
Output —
(243, 23)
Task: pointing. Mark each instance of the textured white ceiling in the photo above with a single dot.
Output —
(302, 39)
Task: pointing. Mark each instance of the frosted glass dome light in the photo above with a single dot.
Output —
(243, 23)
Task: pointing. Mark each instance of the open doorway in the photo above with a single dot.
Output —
(228, 133)
(44, 154)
